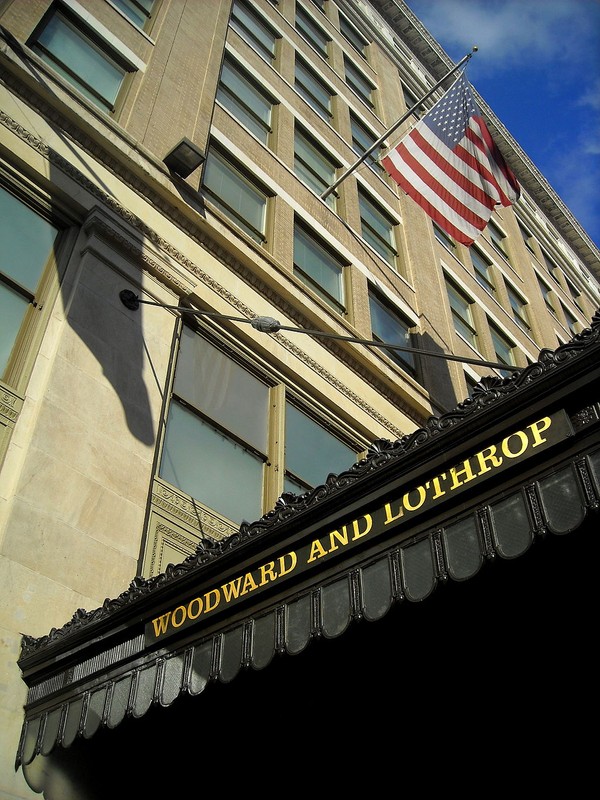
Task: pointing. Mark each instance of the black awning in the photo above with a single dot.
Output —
(503, 529)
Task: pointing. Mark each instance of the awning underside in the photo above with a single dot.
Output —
(88, 699)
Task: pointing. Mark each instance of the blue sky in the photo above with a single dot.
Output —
(538, 68)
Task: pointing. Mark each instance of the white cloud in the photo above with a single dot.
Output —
(560, 34)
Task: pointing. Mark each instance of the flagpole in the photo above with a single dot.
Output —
(397, 124)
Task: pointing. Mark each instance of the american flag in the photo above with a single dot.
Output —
(450, 165)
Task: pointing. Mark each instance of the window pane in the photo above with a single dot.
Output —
(27, 241)
(311, 452)
(316, 94)
(311, 31)
(318, 265)
(312, 166)
(377, 229)
(483, 272)
(358, 82)
(138, 11)
(207, 465)
(388, 327)
(12, 310)
(236, 196)
(461, 315)
(223, 390)
(252, 28)
(245, 101)
(80, 61)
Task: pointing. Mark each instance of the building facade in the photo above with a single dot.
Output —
(162, 166)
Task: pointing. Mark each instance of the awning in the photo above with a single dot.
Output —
(481, 487)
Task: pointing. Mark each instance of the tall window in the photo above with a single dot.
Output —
(462, 315)
(81, 57)
(313, 165)
(572, 322)
(504, 349)
(519, 309)
(217, 446)
(389, 326)
(362, 141)
(483, 270)
(316, 93)
(316, 266)
(497, 238)
(235, 194)
(358, 82)
(377, 229)
(575, 294)
(444, 238)
(312, 32)
(527, 237)
(247, 101)
(138, 11)
(254, 29)
(216, 443)
(311, 452)
(547, 295)
(356, 39)
(28, 250)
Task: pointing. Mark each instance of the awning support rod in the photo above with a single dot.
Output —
(271, 325)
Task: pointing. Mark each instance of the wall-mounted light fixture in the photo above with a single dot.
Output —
(184, 158)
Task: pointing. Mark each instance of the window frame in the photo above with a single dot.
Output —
(330, 260)
(483, 270)
(267, 46)
(405, 359)
(233, 102)
(499, 337)
(40, 302)
(312, 32)
(315, 180)
(519, 309)
(85, 33)
(385, 247)
(359, 83)
(231, 167)
(467, 320)
(372, 160)
(309, 85)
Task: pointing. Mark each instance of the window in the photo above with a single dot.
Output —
(138, 11)
(377, 229)
(359, 83)
(572, 322)
(483, 270)
(462, 316)
(28, 252)
(498, 239)
(313, 90)
(311, 452)
(318, 268)
(553, 268)
(547, 295)
(238, 198)
(254, 29)
(444, 238)
(81, 57)
(216, 427)
(313, 165)
(350, 33)
(217, 446)
(389, 326)
(313, 33)
(527, 237)
(362, 141)
(504, 350)
(409, 99)
(519, 309)
(249, 103)
(575, 294)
